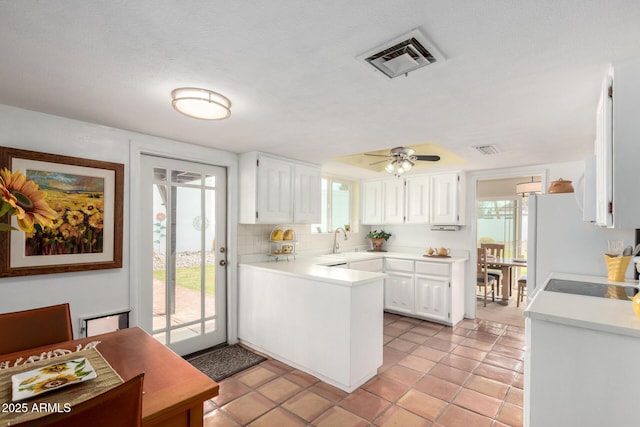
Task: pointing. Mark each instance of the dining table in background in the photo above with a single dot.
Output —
(174, 391)
(506, 265)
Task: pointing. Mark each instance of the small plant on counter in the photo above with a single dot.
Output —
(378, 237)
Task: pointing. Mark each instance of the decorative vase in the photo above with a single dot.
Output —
(376, 244)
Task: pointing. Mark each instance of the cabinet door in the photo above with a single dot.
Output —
(398, 292)
(275, 191)
(371, 202)
(417, 194)
(307, 194)
(604, 157)
(444, 199)
(432, 297)
(393, 201)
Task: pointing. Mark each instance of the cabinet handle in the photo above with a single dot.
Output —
(223, 262)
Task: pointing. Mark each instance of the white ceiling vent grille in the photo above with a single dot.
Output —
(402, 55)
(487, 149)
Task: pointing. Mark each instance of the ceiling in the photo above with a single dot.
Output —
(522, 75)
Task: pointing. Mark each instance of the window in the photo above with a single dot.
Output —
(504, 221)
(336, 205)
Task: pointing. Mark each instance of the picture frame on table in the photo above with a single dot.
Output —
(87, 196)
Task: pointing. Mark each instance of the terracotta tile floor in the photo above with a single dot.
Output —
(469, 375)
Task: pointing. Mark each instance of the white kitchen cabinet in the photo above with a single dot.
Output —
(431, 297)
(393, 196)
(371, 199)
(430, 290)
(307, 194)
(617, 149)
(270, 188)
(398, 292)
(417, 200)
(447, 199)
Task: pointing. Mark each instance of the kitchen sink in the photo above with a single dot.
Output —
(351, 256)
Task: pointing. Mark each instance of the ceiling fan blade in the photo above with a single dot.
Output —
(376, 163)
(378, 155)
(428, 158)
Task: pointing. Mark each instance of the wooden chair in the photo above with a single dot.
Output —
(484, 279)
(496, 250)
(120, 406)
(522, 285)
(22, 330)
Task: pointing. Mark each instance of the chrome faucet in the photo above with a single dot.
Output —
(336, 245)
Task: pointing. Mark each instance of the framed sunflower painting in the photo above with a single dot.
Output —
(58, 214)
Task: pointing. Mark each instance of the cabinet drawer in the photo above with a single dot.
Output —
(439, 269)
(398, 265)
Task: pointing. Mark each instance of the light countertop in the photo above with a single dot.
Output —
(320, 267)
(602, 314)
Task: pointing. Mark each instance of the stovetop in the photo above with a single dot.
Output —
(599, 290)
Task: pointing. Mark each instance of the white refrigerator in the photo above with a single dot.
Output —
(560, 241)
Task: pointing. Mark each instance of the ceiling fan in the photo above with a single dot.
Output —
(402, 159)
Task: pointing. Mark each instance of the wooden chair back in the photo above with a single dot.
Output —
(484, 279)
(120, 406)
(495, 249)
(22, 330)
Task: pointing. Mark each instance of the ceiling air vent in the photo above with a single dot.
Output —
(487, 149)
(402, 55)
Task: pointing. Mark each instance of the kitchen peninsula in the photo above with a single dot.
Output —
(321, 316)
(583, 340)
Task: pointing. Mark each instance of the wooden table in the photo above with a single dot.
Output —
(174, 391)
(506, 265)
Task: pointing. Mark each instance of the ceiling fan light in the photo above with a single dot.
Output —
(391, 167)
(201, 103)
(407, 165)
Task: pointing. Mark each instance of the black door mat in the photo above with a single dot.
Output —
(220, 363)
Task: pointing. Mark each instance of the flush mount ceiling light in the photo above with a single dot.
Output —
(200, 103)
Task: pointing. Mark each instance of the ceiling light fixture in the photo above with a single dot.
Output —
(525, 188)
(200, 103)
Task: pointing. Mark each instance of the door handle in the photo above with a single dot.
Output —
(223, 262)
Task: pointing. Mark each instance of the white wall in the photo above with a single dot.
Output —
(89, 293)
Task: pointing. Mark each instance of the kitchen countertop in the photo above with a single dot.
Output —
(601, 314)
(319, 267)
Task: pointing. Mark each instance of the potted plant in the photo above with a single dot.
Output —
(378, 237)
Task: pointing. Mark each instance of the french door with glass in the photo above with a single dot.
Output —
(184, 282)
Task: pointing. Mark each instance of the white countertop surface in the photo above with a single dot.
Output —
(602, 314)
(319, 267)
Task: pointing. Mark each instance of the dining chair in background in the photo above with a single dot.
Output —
(496, 250)
(484, 279)
(22, 330)
(522, 285)
(120, 406)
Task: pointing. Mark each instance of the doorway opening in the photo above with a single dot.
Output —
(502, 223)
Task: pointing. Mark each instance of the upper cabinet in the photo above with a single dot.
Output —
(307, 194)
(617, 149)
(275, 190)
(371, 201)
(447, 199)
(421, 199)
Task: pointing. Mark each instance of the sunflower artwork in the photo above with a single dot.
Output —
(52, 377)
(77, 203)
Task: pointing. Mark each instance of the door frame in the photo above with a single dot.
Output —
(190, 153)
(472, 218)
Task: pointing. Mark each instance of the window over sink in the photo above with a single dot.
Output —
(336, 205)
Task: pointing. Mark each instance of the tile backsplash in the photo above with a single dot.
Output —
(253, 239)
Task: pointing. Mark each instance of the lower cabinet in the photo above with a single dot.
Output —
(427, 290)
(432, 295)
(398, 292)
